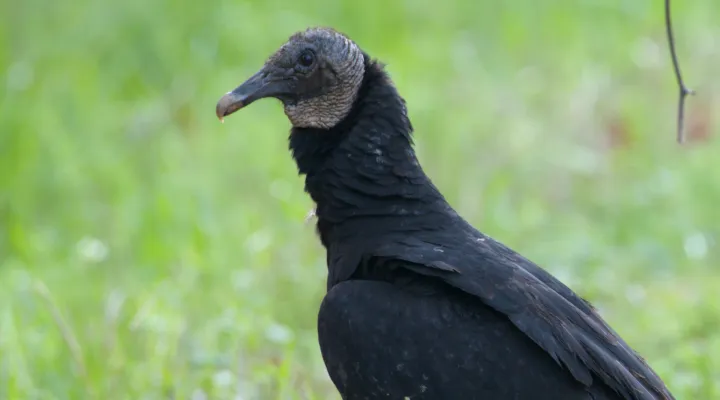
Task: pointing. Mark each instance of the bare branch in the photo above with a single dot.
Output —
(684, 90)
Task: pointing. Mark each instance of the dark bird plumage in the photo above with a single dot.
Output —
(420, 304)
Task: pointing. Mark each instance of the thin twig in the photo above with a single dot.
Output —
(684, 90)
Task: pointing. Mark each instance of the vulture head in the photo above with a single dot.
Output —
(316, 74)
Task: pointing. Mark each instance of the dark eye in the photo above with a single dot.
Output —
(306, 59)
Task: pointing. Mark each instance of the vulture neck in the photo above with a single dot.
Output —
(363, 173)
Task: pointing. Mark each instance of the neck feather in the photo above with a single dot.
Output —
(365, 166)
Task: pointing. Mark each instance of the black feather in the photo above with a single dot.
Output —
(382, 219)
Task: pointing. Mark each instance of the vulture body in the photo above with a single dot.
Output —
(420, 304)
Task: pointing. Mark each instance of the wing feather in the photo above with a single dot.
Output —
(548, 312)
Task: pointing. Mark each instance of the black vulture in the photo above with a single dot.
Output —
(420, 304)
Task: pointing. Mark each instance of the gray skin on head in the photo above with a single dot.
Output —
(331, 88)
(316, 74)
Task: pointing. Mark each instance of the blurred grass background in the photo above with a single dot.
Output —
(149, 252)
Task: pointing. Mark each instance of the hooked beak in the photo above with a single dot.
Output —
(258, 86)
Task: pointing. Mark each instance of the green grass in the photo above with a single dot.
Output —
(148, 252)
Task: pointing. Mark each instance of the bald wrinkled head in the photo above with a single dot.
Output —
(316, 74)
